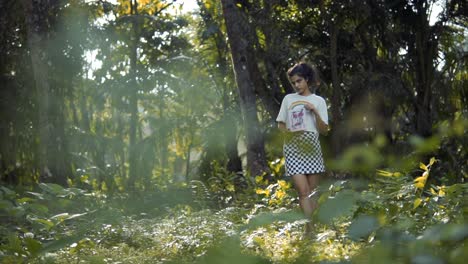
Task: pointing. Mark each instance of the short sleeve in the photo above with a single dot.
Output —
(323, 111)
(282, 115)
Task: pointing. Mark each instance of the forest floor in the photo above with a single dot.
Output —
(393, 219)
(231, 235)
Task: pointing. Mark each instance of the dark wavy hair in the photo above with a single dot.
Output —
(305, 71)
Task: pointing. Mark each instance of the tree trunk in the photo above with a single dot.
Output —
(58, 154)
(187, 158)
(36, 33)
(121, 153)
(243, 62)
(253, 51)
(425, 52)
(163, 134)
(234, 162)
(51, 151)
(133, 102)
(273, 58)
(337, 95)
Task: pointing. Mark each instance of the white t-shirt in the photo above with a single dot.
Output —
(296, 117)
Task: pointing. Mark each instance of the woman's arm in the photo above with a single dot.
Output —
(282, 127)
(322, 127)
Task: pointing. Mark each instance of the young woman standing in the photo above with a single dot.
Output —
(302, 117)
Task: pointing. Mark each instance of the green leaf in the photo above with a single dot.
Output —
(52, 188)
(48, 224)
(229, 251)
(362, 227)
(455, 232)
(37, 208)
(61, 216)
(417, 202)
(456, 189)
(14, 243)
(424, 145)
(342, 205)
(426, 259)
(268, 218)
(76, 191)
(77, 215)
(6, 205)
(33, 245)
(59, 244)
(37, 195)
(66, 216)
(423, 166)
(7, 192)
(25, 200)
(384, 173)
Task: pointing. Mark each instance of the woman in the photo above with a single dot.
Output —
(303, 115)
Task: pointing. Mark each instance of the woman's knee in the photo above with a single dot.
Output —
(303, 192)
(301, 185)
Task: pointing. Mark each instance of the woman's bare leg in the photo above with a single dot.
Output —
(301, 184)
(313, 181)
(305, 185)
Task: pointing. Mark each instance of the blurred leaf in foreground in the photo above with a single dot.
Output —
(362, 227)
(342, 205)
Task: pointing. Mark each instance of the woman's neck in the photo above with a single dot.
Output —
(305, 93)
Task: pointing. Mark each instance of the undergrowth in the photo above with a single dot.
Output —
(396, 217)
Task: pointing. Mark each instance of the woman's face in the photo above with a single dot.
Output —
(300, 85)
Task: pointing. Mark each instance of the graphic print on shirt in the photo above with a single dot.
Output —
(296, 116)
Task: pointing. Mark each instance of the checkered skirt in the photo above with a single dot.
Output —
(303, 154)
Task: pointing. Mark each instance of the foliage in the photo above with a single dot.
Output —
(399, 215)
(182, 85)
(275, 191)
(394, 217)
(139, 118)
(36, 222)
(181, 236)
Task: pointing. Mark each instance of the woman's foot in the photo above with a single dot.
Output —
(309, 230)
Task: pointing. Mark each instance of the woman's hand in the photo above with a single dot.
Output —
(311, 107)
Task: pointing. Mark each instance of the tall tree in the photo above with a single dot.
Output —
(245, 66)
(135, 78)
(423, 45)
(53, 165)
(218, 63)
(133, 93)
